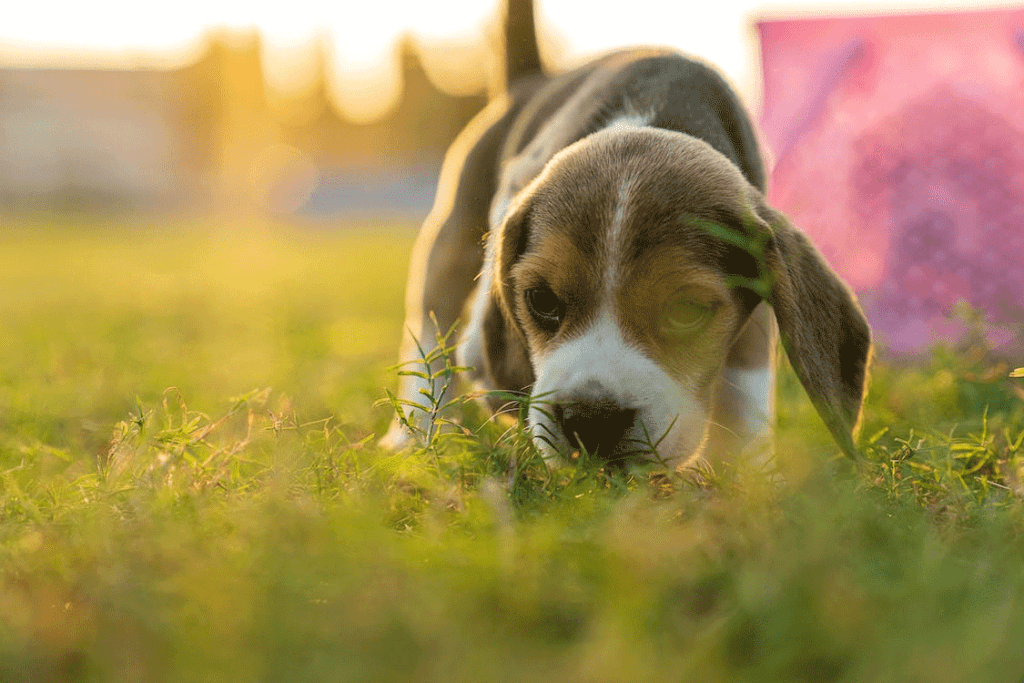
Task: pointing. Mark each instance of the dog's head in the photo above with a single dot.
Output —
(619, 280)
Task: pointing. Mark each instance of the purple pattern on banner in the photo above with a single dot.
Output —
(900, 151)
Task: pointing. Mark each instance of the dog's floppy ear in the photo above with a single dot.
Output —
(823, 330)
(506, 358)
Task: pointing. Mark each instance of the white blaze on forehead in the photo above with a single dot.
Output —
(628, 119)
(614, 240)
(601, 357)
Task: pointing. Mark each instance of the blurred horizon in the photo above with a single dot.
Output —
(363, 68)
(210, 134)
(309, 108)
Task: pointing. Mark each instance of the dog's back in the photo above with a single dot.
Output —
(650, 87)
(643, 87)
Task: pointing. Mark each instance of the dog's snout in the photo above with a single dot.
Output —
(597, 426)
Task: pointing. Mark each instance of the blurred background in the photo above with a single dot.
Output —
(309, 107)
(343, 110)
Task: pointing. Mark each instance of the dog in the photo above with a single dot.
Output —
(605, 237)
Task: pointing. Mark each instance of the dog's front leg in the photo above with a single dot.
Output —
(447, 257)
(744, 408)
(440, 279)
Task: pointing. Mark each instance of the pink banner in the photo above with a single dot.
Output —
(898, 147)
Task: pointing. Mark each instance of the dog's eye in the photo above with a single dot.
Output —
(545, 307)
(685, 315)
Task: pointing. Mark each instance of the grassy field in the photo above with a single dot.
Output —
(189, 491)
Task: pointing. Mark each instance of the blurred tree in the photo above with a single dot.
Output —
(202, 131)
(418, 129)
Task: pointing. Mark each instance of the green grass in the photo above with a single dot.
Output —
(189, 491)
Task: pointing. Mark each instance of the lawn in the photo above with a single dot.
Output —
(190, 491)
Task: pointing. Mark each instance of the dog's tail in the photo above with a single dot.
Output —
(522, 53)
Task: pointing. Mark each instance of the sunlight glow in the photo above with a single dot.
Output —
(125, 33)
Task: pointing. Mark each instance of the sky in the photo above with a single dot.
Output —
(364, 32)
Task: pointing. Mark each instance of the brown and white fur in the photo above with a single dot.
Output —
(604, 237)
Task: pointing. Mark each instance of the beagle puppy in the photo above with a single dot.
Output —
(604, 238)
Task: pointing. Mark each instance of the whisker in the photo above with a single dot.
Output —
(722, 426)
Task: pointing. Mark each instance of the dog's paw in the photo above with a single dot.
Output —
(396, 438)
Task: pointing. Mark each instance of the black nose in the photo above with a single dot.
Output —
(594, 425)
